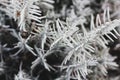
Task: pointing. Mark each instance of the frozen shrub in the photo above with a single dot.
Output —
(58, 39)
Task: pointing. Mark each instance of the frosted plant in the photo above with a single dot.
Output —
(61, 32)
(81, 9)
(1, 20)
(79, 68)
(83, 42)
(114, 8)
(40, 60)
(56, 36)
(85, 39)
(22, 43)
(4, 26)
(2, 68)
(24, 11)
(22, 75)
(74, 42)
(74, 20)
(115, 78)
(2, 65)
(78, 12)
(105, 61)
(46, 4)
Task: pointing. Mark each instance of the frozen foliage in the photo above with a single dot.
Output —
(68, 41)
(22, 11)
(80, 6)
(40, 59)
(22, 75)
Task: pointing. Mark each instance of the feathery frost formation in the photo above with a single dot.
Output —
(63, 40)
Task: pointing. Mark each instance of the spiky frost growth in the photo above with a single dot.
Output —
(22, 75)
(86, 39)
(104, 61)
(83, 45)
(23, 12)
(2, 65)
(22, 43)
(78, 60)
(60, 32)
(46, 4)
(40, 60)
(80, 7)
(81, 52)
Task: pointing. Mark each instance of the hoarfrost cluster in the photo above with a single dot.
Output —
(58, 39)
